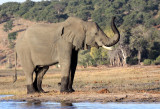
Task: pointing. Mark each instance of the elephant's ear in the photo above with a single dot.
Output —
(74, 35)
(60, 31)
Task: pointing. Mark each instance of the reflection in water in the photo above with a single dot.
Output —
(85, 105)
(36, 104)
(39, 104)
(65, 105)
(1, 96)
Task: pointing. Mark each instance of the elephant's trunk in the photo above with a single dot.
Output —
(112, 41)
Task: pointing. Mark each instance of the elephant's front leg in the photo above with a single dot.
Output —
(65, 77)
(65, 63)
(40, 77)
(40, 71)
(73, 66)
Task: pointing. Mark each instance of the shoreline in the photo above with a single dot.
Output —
(116, 84)
(86, 97)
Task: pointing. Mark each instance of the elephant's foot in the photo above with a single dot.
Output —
(31, 89)
(65, 91)
(71, 90)
(38, 88)
(41, 90)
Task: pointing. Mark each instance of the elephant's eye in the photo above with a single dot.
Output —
(96, 33)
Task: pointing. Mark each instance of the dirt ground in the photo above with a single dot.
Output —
(100, 84)
(87, 97)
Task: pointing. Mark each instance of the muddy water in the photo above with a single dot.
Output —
(83, 105)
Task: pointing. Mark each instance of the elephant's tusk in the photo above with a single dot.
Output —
(108, 48)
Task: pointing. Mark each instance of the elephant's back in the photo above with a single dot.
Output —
(20, 43)
(43, 27)
(42, 31)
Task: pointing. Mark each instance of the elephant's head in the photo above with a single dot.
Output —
(84, 34)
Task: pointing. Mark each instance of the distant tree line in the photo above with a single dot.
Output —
(137, 20)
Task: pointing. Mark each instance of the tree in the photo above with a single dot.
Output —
(118, 56)
(8, 26)
(72, 7)
(12, 36)
(130, 20)
(98, 14)
(11, 39)
(153, 39)
(115, 57)
(95, 53)
(99, 56)
(123, 45)
(138, 41)
(138, 5)
(85, 9)
(85, 59)
(25, 7)
(9, 8)
(59, 7)
(105, 58)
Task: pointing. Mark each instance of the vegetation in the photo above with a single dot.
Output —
(11, 38)
(8, 26)
(157, 61)
(138, 22)
(148, 62)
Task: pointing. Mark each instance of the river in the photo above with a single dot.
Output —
(82, 105)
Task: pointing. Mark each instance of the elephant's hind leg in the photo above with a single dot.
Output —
(37, 70)
(40, 72)
(29, 69)
(28, 66)
(72, 69)
(29, 80)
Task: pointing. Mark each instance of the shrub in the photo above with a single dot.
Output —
(12, 36)
(157, 61)
(132, 61)
(147, 62)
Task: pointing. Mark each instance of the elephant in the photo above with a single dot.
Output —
(43, 45)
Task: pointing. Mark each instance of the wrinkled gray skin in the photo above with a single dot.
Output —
(44, 45)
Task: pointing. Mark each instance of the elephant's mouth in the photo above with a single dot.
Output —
(96, 45)
(88, 47)
(92, 45)
(100, 44)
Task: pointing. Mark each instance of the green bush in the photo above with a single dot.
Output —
(132, 61)
(147, 62)
(12, 36)
(157, 61)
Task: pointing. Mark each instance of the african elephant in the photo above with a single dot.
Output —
(43, 45)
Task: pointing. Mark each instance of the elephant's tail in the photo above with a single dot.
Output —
(15, 75)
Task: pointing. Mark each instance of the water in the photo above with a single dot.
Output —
(1, 96)
(83, 105)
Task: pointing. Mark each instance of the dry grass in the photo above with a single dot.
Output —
(114, 79)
